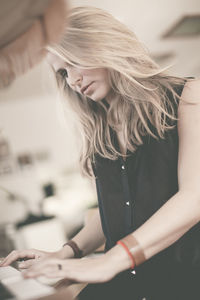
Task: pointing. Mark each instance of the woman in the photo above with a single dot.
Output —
(141, 140)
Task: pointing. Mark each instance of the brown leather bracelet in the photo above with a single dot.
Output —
(135, 249)
(78, 253)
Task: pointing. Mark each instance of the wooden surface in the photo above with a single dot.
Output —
(65, 291)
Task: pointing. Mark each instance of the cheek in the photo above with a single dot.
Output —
(106, 83)
(106, 88)
(101, 86)
(101, 91)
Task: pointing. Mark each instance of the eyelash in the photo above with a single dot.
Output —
(63, 73)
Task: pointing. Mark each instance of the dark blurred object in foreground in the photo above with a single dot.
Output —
(26, 27)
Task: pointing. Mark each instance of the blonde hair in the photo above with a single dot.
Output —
(95, 39)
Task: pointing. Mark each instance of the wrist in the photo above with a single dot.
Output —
(118, 259)
(66, 252)
(78, 253)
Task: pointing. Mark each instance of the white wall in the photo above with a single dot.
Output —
(150, 19)
(32, 120)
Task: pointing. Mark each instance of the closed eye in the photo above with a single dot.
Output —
(63, 73)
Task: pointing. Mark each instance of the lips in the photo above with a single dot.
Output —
(85, 87)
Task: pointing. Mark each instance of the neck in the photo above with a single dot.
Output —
(110, 97)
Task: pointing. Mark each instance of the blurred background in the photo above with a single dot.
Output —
(44, 200)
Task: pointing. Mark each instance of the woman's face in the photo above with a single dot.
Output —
(92, 83)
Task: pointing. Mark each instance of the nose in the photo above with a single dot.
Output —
(74, 77)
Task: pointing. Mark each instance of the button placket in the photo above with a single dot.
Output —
(123, 168)
(127, 198)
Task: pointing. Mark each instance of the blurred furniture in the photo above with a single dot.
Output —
(47, 234)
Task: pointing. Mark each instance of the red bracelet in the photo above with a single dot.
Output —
(128, 252)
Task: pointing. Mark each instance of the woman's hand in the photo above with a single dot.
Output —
(29, 257)
(88, 270)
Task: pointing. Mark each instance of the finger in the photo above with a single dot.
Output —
(15, 255)
(42, 263)
(27, 264)
(32, 274)
(1, 259)
(30, 262)
(36, 272)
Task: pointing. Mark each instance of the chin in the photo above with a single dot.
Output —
(96, 99)
(98, 96)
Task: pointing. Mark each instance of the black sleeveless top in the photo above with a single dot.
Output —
(130, 192)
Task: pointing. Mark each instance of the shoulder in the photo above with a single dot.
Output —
(189, 136)
(189, 109)
(191, 92)
(189, 106)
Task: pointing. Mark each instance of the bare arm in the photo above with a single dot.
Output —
(88, 239)
(182, 211)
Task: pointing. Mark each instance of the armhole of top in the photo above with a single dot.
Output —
(182, 87)
(179, 89)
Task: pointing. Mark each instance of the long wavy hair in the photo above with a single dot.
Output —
(95, 39)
